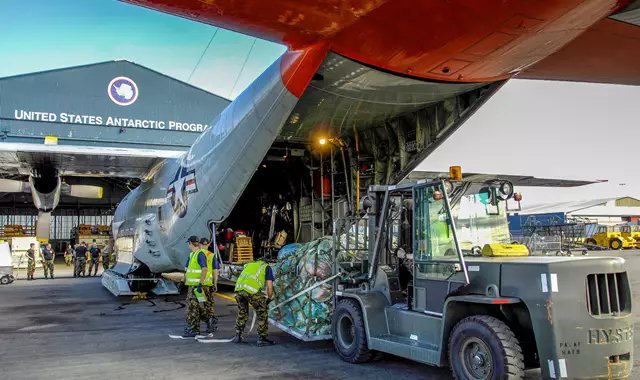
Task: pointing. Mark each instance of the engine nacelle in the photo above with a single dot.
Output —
(45, 188)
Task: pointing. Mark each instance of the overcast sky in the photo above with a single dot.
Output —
(552, 130)
(546, 129)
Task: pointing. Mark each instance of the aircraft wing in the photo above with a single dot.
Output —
(82, 161)
(454, 40)
(516, 180)
(608, 52)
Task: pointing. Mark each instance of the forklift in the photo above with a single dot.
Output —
(488, 313)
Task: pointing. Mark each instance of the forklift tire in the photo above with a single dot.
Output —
(5, 280)
(478, 339)
(615, 244)
(349, 335)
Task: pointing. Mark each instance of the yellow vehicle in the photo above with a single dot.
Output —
(610, 237)
(632, 232)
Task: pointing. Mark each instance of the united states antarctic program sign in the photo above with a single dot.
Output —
(123, 91)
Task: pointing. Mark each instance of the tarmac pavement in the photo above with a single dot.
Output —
(69, 328)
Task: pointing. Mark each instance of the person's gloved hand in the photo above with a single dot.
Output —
(199, 288)
(214, 287)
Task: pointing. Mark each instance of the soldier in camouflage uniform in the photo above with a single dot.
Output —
(31, 261)
(48, 255)
(196, 270)
(250, 291)
(209, 317)
(106, 258)
(81, 260)
(94, 253)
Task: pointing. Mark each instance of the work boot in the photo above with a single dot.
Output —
(238, 338)
(189, 333)
(265, 342)
(212, 325)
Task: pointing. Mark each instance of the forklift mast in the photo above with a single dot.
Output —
(415, 218)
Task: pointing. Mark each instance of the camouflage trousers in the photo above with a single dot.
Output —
(209, 304)
(48, 268)
(195, 311)
(68, 259)
(93, 263)
(259, 303)
(81, 266)
(105, 263)
(31, 268)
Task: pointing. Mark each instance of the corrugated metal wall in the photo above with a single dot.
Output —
(627, 202)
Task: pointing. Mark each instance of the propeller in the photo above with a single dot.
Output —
(83, 191)
(13, 186)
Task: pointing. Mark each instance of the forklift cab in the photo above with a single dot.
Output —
(438, 260)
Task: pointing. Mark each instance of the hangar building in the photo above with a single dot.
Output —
(108, 104)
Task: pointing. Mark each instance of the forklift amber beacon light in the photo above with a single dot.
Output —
(455, 173)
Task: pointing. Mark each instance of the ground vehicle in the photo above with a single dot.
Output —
(610, 236)
(19, 247)
(6, 265)
(631, 232)
(491, 316)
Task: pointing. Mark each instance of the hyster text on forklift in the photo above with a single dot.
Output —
(489, 313)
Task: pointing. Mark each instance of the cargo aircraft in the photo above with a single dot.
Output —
(385, 82)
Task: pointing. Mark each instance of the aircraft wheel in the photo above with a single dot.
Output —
(483, 347)
(5, 280)
(349, 335)
(615, 244)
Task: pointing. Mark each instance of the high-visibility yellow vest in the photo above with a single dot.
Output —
(194, 271)
(208, 279)
(252, 278)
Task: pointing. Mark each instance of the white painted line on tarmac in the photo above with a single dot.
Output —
(38, 327)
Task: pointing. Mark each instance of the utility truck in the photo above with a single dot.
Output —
(487, 313)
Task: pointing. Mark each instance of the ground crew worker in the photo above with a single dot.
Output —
(106, 258)
(95, 258)
(212, 271)
(250, 291)
(81, 260)
(48, 255)
(31, 261)
(195, 278)
(68, 257)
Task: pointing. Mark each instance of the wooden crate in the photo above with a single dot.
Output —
(243, 250)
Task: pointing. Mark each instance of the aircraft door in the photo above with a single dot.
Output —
(439, 267)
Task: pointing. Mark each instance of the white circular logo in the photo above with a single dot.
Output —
(123, 91)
